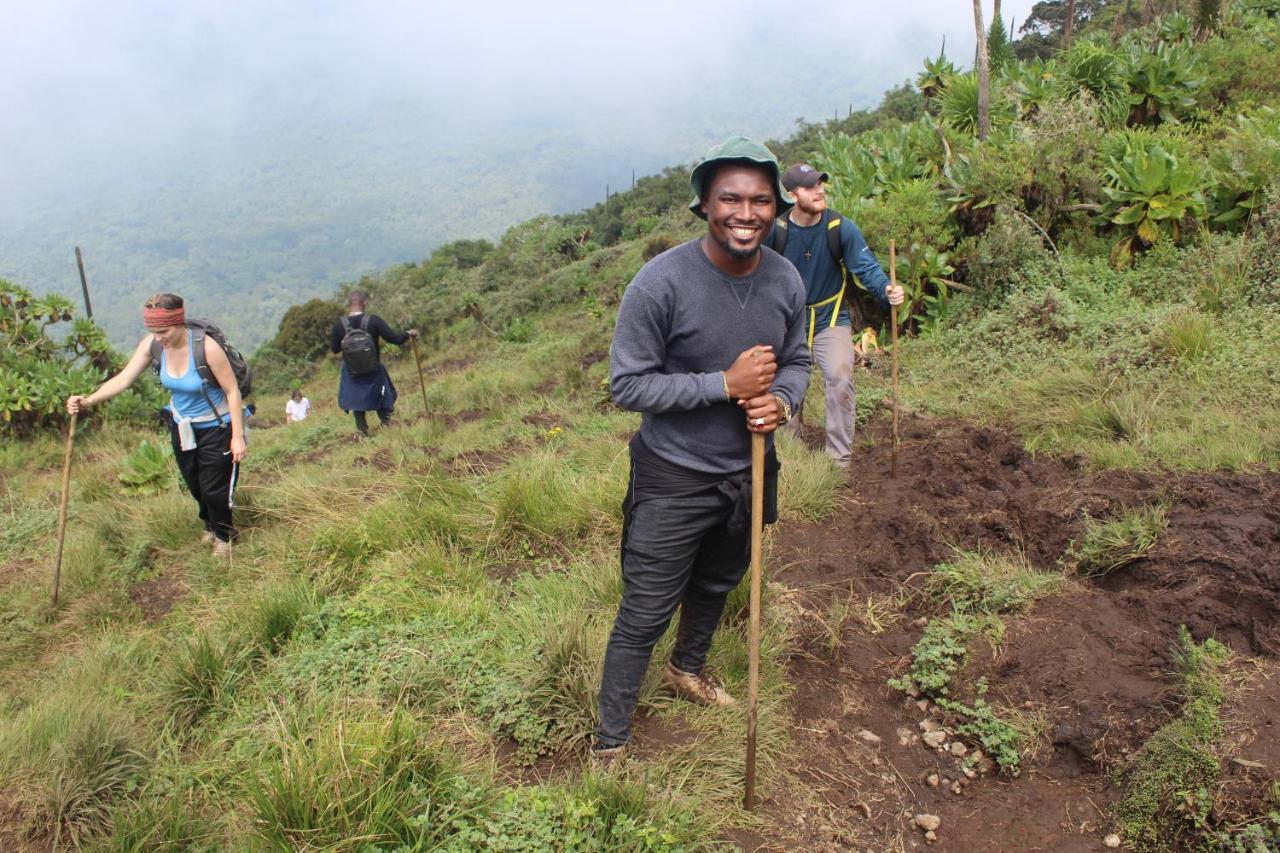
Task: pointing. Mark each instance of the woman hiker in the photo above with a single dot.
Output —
(365, 385)
(206, 419)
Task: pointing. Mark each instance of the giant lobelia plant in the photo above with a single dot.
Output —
(1151, 194)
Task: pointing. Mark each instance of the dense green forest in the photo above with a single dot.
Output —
(1073, 579)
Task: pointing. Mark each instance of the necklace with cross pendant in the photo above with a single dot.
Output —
(808, 256)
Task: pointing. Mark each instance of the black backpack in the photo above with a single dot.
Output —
(200, 329)
(864, 307)
(358, 349)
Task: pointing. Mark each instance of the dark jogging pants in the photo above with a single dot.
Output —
(210, 476)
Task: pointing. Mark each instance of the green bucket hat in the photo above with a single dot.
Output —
(738, 148)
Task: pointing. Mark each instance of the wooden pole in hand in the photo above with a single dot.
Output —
(421, 381)
(753, 631)
(62, 507)
(893, 320)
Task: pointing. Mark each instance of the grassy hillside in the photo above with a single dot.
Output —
(1071, 586)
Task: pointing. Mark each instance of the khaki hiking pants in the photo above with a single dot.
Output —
(833, 353)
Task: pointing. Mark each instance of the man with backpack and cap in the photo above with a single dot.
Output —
(709, 348)
(826, 247)
(365, 385)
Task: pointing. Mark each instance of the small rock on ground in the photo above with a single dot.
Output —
(1112, 840)
(928, 822)
(935, 740)
(869, 737)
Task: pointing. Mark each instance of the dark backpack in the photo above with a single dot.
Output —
(864, 307)
(200, 329)
(358, 349)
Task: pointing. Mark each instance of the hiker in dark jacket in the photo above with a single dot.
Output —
(371, 391)
(206, 420)
(830, 326)
(710, 348)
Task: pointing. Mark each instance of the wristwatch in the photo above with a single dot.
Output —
(784, 407)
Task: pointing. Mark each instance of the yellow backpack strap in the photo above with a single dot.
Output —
(837, 251)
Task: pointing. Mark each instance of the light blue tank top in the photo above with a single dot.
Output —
(188, 392)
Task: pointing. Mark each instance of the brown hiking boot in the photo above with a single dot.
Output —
(223, 548)
(699, 688)
(207, 538)
(608, 758)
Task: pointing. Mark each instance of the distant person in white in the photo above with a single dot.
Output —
(297, 409)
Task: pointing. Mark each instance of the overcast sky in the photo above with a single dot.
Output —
(77, 76)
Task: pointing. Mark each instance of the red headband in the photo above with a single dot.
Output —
(161, 318)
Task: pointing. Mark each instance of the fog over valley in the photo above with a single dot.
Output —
(251, 156)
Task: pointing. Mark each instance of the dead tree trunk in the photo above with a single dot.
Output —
(984, 74)
(1069, 25)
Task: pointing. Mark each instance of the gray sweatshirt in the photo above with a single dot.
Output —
(681, 324)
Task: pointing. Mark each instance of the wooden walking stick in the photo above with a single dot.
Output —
(893, 319)
(62, 506)
(421, 381)
(753, 631)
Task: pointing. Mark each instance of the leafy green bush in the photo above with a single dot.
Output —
(304, 329)
(37, 374)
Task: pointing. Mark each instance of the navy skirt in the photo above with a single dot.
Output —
(367, 393)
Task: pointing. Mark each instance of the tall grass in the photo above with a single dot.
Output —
(350, 777)
(989, 582)
(1105, 546)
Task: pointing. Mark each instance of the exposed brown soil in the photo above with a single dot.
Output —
(156, 597)
(1093, 662)
(14, 569)
(14, 837)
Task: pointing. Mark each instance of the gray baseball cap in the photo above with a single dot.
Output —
(803, 175)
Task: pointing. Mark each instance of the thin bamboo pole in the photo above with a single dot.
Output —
(753, 635)
(62, 506)
(421, 380)
(893, 320)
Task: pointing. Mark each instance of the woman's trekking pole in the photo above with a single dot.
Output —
(62, 506)
(893, 319)
(421, 381)
(753, 631)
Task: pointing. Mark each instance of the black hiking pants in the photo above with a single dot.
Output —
(685, 545)
(362, 423)
(210, 476)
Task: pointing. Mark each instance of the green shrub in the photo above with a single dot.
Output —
(37, 374)
(1166, 783)
(657, 244)
(304, 329)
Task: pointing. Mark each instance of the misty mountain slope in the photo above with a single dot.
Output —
(248, 223)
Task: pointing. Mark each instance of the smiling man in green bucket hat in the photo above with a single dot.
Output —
(709, 347)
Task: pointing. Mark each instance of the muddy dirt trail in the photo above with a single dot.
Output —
(1092, 662)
